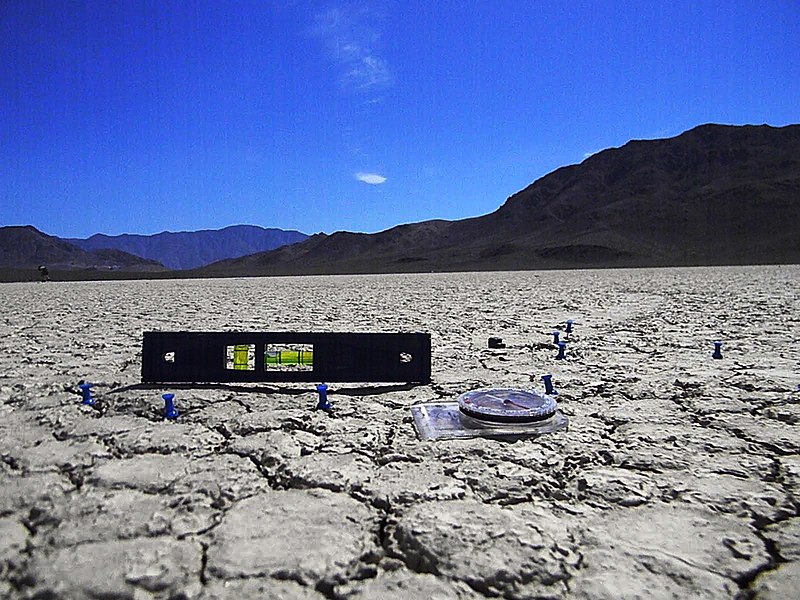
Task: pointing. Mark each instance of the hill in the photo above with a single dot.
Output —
(24, 248)
(714, 195)
(191, 249)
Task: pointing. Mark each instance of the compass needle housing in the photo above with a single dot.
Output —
(497, 413)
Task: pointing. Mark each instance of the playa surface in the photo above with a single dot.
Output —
(679, 475)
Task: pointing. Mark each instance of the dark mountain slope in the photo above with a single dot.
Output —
(191, 249)
(712, 195)
(25, 247)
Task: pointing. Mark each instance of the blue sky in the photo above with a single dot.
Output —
(139, 116)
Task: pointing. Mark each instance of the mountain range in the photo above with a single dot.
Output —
(25, 248)
(192, 249)
(714, 195)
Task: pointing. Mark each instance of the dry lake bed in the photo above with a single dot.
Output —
(678, 477)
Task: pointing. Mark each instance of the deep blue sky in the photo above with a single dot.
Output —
(141, 116)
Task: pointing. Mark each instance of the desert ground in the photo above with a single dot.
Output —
(678, 477)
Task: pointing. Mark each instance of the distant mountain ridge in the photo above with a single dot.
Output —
(714, 195)
(25, 247)
(193, 249)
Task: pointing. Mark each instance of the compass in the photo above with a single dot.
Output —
(507, 405)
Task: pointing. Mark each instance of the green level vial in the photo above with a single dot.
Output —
(275, 359)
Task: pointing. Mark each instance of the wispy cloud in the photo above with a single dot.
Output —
(371, 178)
(367, 73)
(351, 39)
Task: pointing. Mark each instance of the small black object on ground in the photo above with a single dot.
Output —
(496, 342)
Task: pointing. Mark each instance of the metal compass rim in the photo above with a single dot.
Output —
(507, 405)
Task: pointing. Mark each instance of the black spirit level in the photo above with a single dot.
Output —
(240, 356)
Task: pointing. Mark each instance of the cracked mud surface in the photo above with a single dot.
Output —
(678, 476)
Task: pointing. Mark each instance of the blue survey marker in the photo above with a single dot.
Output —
(323, 403)
(548, 385)
(86, 393)
(170, 412)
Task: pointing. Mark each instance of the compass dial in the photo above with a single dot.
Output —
(507, 405)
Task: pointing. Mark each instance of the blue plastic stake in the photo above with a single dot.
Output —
(562, 347)
(323, 403)
(548, 385)
(569, 326)
(555, 338)
(86, 392)
(717, 350)
(170, 412)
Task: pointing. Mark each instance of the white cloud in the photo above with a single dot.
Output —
(350, 38)
(371, 178)
(367, 73)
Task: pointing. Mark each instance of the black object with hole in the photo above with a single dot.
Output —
(205, 357)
